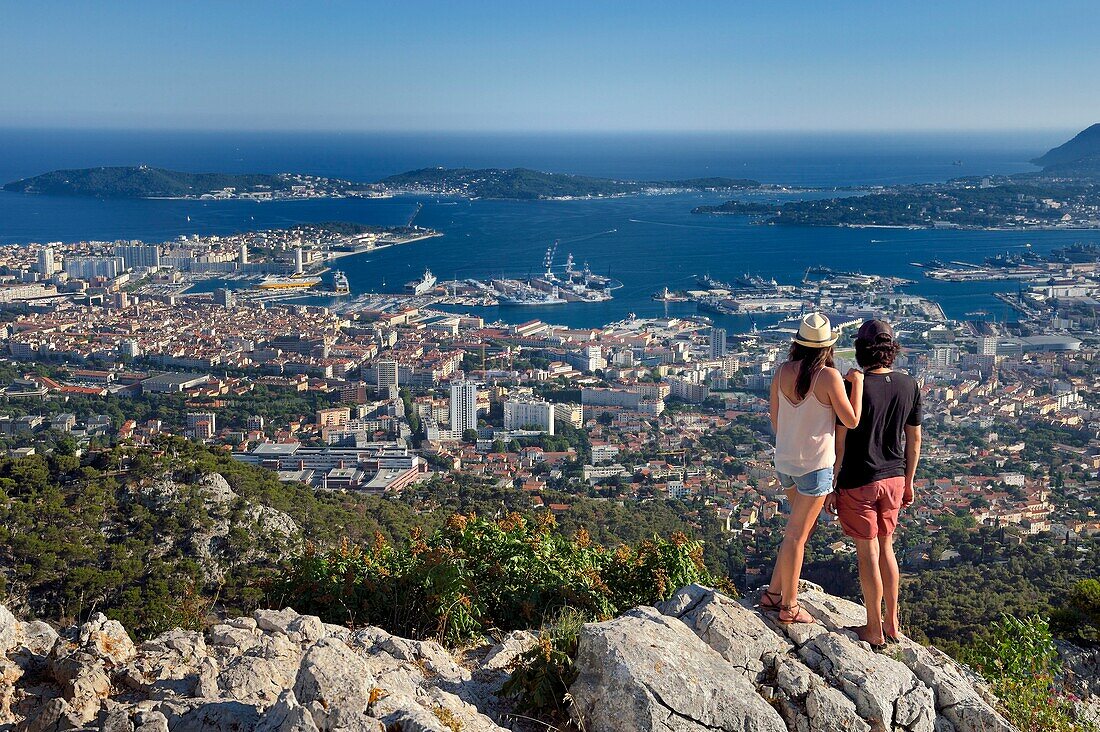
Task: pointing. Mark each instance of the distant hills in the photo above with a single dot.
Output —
(1065, 194)
(1080, 157)
(1084, 144)
(513, 183)
(523, 183)
(145, 182)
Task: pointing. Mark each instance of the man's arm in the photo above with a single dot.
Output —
(912, 457)
(841, 435)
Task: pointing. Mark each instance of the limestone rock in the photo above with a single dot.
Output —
(335, 677)
(701, 661)
(217, 488)
(734, 631)
(648, 671)
(513, 645)
(107, 640)
(957, 697)
(9, 630)
(275, 620)
(885, 692)
(287, 715)
(84, 682)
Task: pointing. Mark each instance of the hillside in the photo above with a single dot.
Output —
(146, 182)
(1083, 151)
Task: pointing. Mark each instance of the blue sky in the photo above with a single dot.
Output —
(559, 66)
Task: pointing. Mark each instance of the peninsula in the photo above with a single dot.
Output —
(145, 182)
(1065, 194)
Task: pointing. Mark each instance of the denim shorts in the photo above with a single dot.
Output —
(817, 483)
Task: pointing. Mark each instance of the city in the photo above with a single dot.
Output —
(549, 367)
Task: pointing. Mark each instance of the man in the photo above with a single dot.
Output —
(878, 460)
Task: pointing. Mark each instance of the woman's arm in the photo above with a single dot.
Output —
(848, 407)
(774, 407)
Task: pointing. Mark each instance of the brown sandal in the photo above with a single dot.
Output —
(770, 596)
(795, 614)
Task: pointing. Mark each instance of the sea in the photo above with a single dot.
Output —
(647, 242)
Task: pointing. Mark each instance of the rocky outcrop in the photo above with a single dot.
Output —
(276, 671)
(696, 663)
(702, 661)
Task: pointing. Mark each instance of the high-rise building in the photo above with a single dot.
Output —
(88, 268)
(299, 265)
(244, 253)
(463, 406)
(136, 255)
(528, 414)
(224, 296)
(386, 374)
(987, 346)
(717, 342)
(47, 265)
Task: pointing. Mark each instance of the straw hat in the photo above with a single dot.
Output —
(815, 332)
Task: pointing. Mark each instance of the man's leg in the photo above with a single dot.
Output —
(870, 577)
(891, 581)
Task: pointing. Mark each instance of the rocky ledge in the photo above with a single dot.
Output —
(700, 661)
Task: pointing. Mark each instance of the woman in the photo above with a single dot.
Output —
(807, 399)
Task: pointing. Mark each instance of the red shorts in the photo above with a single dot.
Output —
(870, 510)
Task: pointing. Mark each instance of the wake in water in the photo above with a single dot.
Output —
(678, 226)
(586, 237)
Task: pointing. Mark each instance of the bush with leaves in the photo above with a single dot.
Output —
(1078, 621)
(475, 574)
(1020, 661)
(542, 675)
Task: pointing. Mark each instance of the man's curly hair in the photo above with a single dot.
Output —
(877, 354)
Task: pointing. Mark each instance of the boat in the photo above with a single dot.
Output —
(531, 297)
(340, 283)
(422, 285)
(288, 283)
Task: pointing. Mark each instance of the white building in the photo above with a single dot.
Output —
(463, 406)
(203, 425)
(526, 415)
(47, 265)
(589, 358)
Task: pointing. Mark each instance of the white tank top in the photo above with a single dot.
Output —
(804, 438)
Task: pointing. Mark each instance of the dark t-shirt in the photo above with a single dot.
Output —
(875, 449)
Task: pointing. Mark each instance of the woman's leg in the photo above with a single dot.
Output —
(775, 587)
(804, 513)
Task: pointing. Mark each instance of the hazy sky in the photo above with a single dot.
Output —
(561, 65)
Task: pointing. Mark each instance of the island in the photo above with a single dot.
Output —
(1064, 194)
(513, 183)
(739, 208)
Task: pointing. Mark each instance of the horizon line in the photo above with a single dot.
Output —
(537, 131)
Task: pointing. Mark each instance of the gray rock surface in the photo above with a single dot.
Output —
(699, 662)
(648, 671)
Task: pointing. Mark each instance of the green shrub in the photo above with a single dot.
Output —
(474, 575)
(542, 675)
(1078, 620)
(1019, 660)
